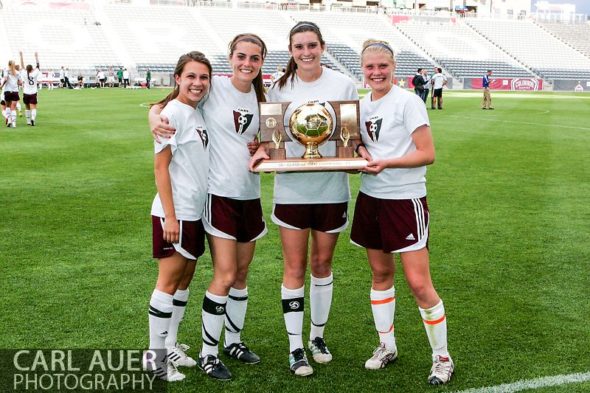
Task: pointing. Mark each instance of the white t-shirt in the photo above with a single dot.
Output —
(11, 81)
(190, 162)
(30, 81)
(386, 130)
(233, 121)
(438, 80)
(312, 187)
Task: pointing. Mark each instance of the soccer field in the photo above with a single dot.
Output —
(509, 242)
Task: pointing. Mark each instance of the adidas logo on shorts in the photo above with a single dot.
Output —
(410, 237)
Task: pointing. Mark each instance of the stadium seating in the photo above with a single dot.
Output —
(576, 35)
(546, 55)
(62, 37)
(460, 50)
(87, 36)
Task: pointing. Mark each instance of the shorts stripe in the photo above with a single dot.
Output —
(419, 212)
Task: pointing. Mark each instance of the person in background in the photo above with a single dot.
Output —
(438, 82)
(486, 103)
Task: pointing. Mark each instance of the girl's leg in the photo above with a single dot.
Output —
(177, 351)
(295, 243)
(320, 293)
(417, 270)
(237, 304)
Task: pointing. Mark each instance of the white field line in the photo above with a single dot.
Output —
(496, 120)
(536, 383)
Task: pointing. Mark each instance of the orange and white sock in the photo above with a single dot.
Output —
(435, 323)
(383, 307)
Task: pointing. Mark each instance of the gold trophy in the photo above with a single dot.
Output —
(310, 125)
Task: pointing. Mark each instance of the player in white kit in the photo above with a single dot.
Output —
(181, 167)
(30, 83)
(391, 213)
(233, 216)
(9, 86)
(308, 204)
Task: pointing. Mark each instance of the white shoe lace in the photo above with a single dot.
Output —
(181, 349)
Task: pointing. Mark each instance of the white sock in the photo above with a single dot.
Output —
(28, 116)
(179, 303)
(383, 307)
(293, 306)
(13, 118)
(33, 114)
(159, 312)
(235, 314)
(7, 113)
(435, 323)
(213, 317)
(320, 301)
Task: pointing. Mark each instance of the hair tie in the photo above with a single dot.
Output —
(380, 44)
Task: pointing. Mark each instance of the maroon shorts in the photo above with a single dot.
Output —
(10, 96)
(190, 246)
(390, 225)
(325, 217)
(239, 220)
(30, 99)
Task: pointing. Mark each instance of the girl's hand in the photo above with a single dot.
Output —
(171, 230)
(374, 167)
(258, 156)
(253, 146)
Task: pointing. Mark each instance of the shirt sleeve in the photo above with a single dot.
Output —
(415, 114)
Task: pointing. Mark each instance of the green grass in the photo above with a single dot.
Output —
(510, 236)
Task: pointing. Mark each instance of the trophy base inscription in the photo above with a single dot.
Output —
(312, 165)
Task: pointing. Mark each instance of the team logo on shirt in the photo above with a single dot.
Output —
(203, 135)
(242, 120)
(374, 128)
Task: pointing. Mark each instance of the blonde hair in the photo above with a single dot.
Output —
(12, 67)
(377, 46)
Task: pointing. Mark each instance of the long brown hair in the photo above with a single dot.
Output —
(258, 83)
(182, 61)
(300, 27)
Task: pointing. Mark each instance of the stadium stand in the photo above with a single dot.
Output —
(460, 50)
(576, 35)
(346, 32)
(543, 53)
(87, 36)
(62, 36)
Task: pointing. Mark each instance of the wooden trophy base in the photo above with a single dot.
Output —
(312, 165)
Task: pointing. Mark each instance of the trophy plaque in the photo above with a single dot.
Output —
(310, 125)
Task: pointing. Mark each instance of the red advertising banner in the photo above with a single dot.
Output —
(521, 84)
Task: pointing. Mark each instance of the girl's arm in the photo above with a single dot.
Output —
(159, 125)
(423, 155)
(164, 185)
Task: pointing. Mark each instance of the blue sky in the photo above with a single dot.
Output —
(582, 6)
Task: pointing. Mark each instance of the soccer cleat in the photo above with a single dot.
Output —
(319, 350)
(242, 353)
(177, 355)
(168, 372)
(441, 371)
(298, 363)
(381, 358)
(33, 123)
(214, 367)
